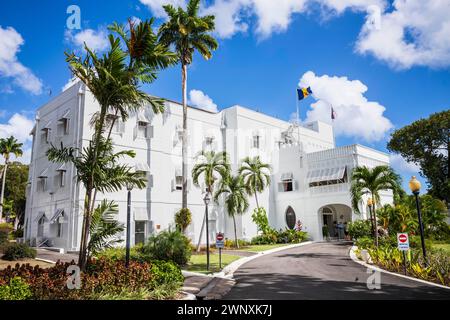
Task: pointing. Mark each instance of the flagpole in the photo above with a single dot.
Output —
(298, 119)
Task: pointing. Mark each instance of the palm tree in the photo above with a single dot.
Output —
(8, 146)
(256, 175)
(187, 33)
(104, 229)
(115, 79)
(236, 200)
(212, 166)
(366, 181)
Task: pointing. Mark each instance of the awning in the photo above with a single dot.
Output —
(142, 167)
(323, 175)
(178, 172)
(140, 214)
(48, 126)
(44, 174)
(142, 118)
(58, 213)
(287, 176)
(62, 168)
(66, 114)
(39, 216)
(33, 131)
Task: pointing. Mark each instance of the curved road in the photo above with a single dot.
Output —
(321, 271)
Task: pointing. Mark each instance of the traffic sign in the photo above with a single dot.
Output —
(403, 241)
(220, 240)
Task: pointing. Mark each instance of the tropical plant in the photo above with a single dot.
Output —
(183, 219)
(256, 175)
(359, 229)
(211, 166)
(426, 143)
(370, 181)
(259, 217)
(187, 32)
(8, 146)
(134, 58)
(236, 201)
(5, 230)
(104, 229)
(168, 246)
(17, 289)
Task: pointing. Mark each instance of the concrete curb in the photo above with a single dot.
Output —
(45, 260)
(188, 296)
(355, 259)
(230, 269)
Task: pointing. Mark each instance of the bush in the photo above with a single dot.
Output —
(17, 289)
(259, 217)
(168, 246)
(359, 229)
(102, 278)
(17, 251)
(17, 233)
(364, 243)
(5, 230)
(118, 254)
(281, 236)
(183, 219)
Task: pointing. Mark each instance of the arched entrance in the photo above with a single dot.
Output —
(331, 217)
(291, 218)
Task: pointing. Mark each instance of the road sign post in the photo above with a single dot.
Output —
(403, 245)
(220, 244)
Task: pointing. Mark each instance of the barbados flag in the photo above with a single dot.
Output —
(303, 93)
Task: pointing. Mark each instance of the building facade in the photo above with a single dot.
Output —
(310, 175)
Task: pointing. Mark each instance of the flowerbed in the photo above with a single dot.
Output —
(102, 278)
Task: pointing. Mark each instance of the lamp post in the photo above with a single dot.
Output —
(127, 255)
(414, 185)
(370, 203)
(207, 199)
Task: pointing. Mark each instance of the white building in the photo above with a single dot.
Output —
(310, 177)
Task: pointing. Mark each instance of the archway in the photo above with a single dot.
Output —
(331, 217)
(291, 218)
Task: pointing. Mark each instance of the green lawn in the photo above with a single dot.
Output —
(198, 262)
(442, 246)
(262, 247)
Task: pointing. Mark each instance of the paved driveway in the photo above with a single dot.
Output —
(321, 271)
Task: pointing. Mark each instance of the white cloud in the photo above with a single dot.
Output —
(356, 116)
(400, 164)
(10, 66)
(18, 126)
(96, 40)
(413, 33)
(156, 6)
(201, 101)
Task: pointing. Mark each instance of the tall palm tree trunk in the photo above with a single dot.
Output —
(235, 233)
(201, 233)
(375, 225)
(184, 142)
(2, 196)
(256, 199)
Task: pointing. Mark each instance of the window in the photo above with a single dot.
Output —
(46, 135)
(142, 129)
(208, 143)
(139, 232)
(40, 230)
(290, 218)
(62, 178)
(288, 185)
(179, 183)
(59, 230)
(256, 141)
(118, 124)
(42, 184)
(64, 126)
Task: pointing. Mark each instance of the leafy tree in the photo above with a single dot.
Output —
(187, 32)
(8, 146)
(370, 181)
(134, 58)
(15, 190)
(259, 217)
(183, 219)
(104, 229)
(426, 142)
(236, 201)
(211, 166)
(256, 175)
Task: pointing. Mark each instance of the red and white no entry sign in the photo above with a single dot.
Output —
(403, 238)
(219, 237)
(403, 241)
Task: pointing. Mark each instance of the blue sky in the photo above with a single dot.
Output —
(378, 77)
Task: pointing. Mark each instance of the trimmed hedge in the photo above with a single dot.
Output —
(18, 251)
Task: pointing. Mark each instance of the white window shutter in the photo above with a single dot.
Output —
(280, 187)
(294, 185)
(135, 131)
(188, 185)
(173, 184)
(150, 132)
(150, 181)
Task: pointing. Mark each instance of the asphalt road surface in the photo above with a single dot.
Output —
(321, 271)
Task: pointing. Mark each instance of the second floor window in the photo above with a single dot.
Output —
(179, 183)
(142, 129)
(256, 141)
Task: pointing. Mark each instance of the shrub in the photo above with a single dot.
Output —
(259, 217)
(5, 230)
(165, 272)
(17, 251)
(183, 219)
(168, 246)
(17, 233)
(118, 254)
(364, 243)
(281, 236)
(360, 228)
(17, 289)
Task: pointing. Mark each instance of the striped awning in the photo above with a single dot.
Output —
(141, 117)
(66, 114)
(48, 126)
(43, 174)
(142, 167)
(39, 216)
(287, 176)
(62, 167)
(58, 213)
(140, 214)
(323, 175)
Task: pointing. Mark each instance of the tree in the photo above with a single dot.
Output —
(256, 175)
(8, 146)
(115, 79)
(426, 142)
(183, 219)
(211, 166)
(366, 181)
(187, 33)
(104, 229)
(236, 200)
(15, 190)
